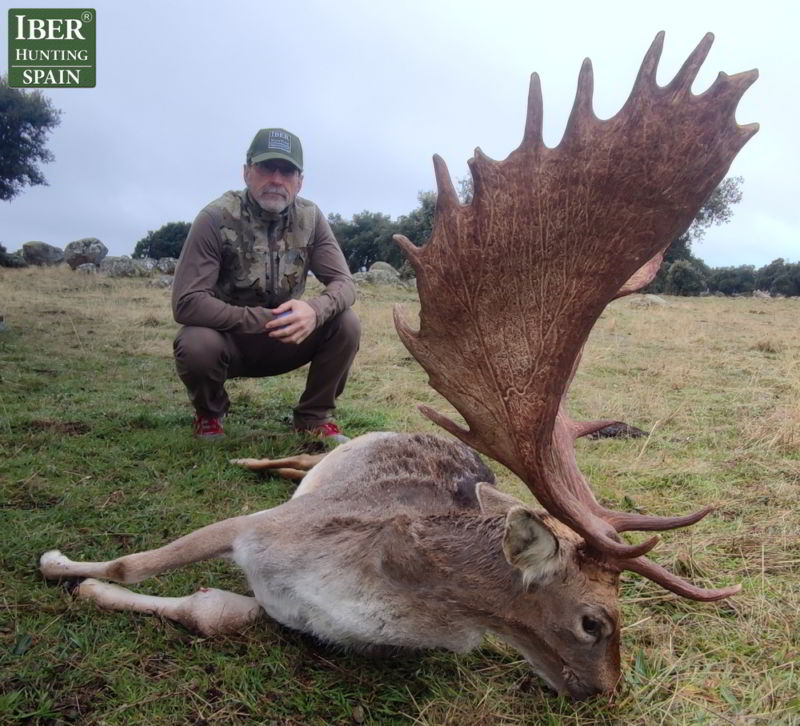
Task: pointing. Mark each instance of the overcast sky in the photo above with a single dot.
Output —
(374, 89)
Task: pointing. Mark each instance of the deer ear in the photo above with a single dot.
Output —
(491, 501)
(530, 546)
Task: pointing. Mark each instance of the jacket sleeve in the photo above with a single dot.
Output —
(330, 267)
(194, 301)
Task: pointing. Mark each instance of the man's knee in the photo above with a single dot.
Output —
(199, 349)
(345, 328)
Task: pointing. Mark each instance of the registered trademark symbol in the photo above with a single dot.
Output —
(86, 16)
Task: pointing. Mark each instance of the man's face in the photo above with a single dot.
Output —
(273, 184)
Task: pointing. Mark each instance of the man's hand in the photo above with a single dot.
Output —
(296, 322)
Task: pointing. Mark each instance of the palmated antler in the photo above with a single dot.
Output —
(512, 284)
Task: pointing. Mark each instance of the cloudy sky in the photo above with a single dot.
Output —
(375, 88)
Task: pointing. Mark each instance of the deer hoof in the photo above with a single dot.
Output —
(53, 564)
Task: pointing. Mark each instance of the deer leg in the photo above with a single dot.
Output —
(291, 467)
(215, 540)
(208, 611)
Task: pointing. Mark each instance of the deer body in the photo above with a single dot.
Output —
(395, 540)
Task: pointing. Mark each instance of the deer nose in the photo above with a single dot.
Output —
(583, 691)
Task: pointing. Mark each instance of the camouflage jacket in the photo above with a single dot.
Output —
(238, 261)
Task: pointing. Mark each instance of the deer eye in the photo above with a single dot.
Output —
(591, 626)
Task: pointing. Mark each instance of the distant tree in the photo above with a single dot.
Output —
(787, 282)
(731, 280)
(26, 118)
(418, 224)
(365, 239)
(683, 278)
(9, 260)
(766, 276)
(164, 242)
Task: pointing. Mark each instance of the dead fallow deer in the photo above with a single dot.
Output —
(401, 540)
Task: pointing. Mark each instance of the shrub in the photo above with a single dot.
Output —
(9, 260)
(683, 278)
(165, 242)
(730, 280)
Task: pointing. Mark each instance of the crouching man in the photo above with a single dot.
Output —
(237, 286)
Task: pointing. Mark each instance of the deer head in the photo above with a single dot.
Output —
(558, 607)
(512, 284)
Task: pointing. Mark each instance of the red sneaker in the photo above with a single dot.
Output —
(328, 431)
(208, 427)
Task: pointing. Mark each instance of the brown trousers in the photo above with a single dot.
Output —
(206, 358)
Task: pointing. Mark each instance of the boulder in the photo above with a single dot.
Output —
(761, 294)
(378, 277)
(383, 267)
(144, 266)
(87, 268)
(167, 265)
(119, 267)
(85, 251)
(41, 253)
(648, 301)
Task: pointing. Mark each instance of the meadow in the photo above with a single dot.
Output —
(98, 460)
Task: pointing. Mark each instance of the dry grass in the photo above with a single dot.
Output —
(715, 382)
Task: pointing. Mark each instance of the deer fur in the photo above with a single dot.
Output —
(395, 540)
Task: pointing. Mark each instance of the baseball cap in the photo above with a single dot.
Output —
(276, 144)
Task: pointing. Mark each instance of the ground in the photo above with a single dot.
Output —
(98, 461)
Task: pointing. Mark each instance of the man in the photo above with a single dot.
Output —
(237, 286)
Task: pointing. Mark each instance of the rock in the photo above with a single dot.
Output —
(167, 265)
(41, 253)
(162, 281)
(719, 294)
(378, 277)
(118, 267)
(762, 295)
(88, 268)
(648, 301)
(618, 430)
(383, 267)
(84, 251)
(144, 266)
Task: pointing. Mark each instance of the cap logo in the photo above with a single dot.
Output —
(280, 141)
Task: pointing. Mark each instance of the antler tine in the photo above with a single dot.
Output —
(643, 276)
(647, 71)
(673, 583)
(685, 77)
(630, 522)
(511, 285)
(582, 113)
(534, 120)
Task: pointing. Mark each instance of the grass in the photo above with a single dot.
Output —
(97, 460)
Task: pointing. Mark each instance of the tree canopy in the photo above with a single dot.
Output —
(166, 241)
(26, 118)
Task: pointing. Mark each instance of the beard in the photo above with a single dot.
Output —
(273, 199)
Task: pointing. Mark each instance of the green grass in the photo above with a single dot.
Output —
(98, 460)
